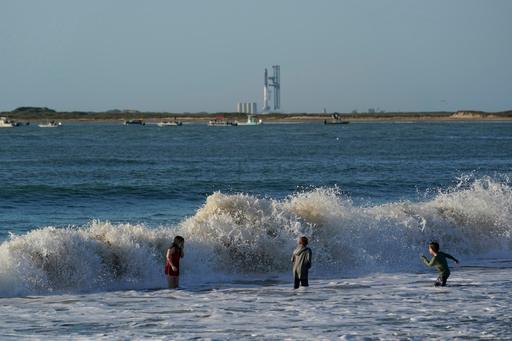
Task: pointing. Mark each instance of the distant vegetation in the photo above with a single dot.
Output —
(43, 113)
(32, 110)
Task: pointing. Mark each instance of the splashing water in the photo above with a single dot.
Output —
(241, 234)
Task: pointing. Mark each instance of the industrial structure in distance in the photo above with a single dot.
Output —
(247, 108)
(271, 95)
(275, 83)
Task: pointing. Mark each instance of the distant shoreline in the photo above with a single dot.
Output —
(45, 114)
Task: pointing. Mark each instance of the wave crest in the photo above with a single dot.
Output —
(241, 233)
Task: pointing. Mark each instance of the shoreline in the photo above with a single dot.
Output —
(38, 116)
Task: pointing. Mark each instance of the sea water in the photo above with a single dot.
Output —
(88, 210)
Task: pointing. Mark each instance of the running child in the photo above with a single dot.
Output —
(439, 261)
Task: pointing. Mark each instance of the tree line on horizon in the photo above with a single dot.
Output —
(27, 112)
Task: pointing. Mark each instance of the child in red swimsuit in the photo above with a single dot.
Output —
(172, 264)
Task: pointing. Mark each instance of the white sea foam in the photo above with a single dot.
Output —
(240, 234)
(476, 305)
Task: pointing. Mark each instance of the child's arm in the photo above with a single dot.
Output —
(451, 257)
(168, 255)
(308, 259)
(427, 262)
(171, 252)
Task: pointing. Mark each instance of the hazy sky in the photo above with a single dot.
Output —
(193, 55)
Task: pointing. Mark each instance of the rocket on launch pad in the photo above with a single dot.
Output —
(275, 82)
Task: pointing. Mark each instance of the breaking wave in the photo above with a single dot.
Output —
(240, 234)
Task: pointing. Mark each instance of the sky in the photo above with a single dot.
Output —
(204, 55)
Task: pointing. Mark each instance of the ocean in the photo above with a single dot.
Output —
(87, 211)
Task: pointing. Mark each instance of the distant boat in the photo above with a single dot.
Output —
(336, 119)
(252, 121)
(51, 124)
(6, 123)
(134, 122)
(219, 121)
(336, 122)
(174, 123)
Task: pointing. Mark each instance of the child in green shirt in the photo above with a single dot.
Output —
(439, 261)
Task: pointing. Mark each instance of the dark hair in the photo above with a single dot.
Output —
(177, 241)
(304, 240)
(434, 246)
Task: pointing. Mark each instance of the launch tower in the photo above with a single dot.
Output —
(272, 82)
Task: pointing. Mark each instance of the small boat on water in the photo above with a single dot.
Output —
(336, 119)
(174, 123)
(221, 123)
(134, 122)
(51, 124)
(252, 121)
(6, 123)
(336, 122)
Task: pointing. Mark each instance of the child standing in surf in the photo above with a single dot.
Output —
(439, 261)
(172, 264)
(301, 260)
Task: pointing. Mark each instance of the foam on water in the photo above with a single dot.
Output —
(240, 234)
(476, 305)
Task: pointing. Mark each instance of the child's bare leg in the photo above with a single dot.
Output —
(173, 282)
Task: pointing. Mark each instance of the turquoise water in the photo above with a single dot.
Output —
(87, 212)
(79, 172)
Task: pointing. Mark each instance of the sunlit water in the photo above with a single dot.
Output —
(476, 304)
(87, 212)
